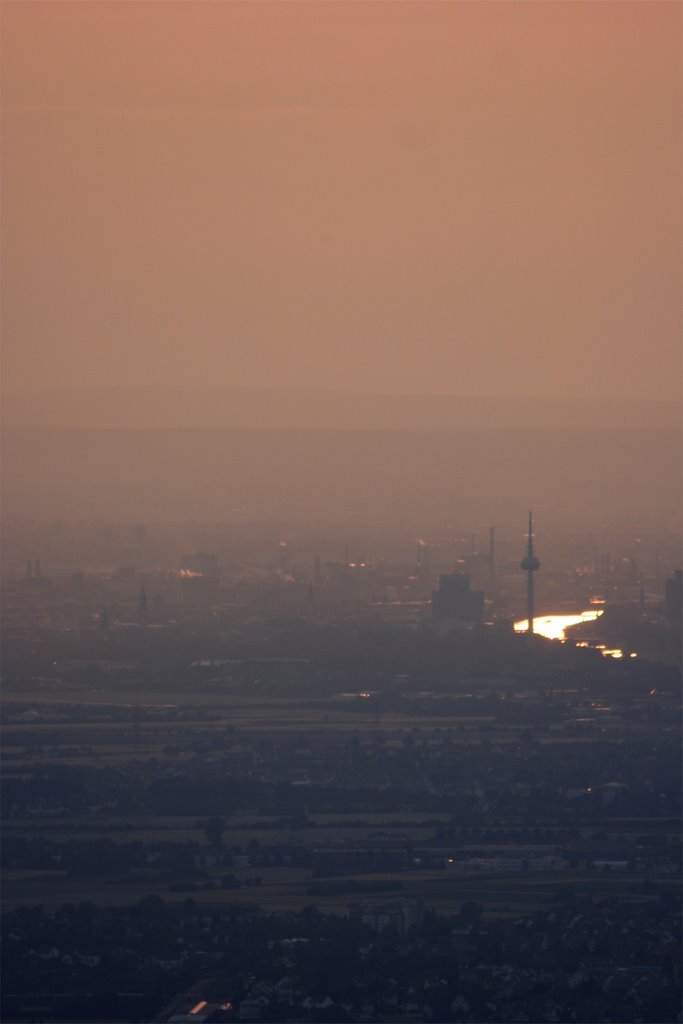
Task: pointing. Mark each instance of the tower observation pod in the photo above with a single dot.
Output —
(530, 564)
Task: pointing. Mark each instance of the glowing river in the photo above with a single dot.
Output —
(553, 627)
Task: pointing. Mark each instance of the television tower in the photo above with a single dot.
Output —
(530, 564)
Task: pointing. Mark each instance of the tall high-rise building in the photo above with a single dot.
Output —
(673, 598)
(455, 599)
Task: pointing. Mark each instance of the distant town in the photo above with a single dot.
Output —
(275, 775)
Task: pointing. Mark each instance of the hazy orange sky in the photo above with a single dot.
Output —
(477, 198)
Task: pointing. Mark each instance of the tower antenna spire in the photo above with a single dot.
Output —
(530, 564)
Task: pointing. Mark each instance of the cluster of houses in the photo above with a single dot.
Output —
(579, 961)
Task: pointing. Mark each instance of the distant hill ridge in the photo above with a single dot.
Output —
(187, 408)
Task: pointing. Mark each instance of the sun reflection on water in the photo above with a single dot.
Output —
(553, 626)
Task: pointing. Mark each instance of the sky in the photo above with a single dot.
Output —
(474, 198)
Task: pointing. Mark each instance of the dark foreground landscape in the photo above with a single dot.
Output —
(220, 816)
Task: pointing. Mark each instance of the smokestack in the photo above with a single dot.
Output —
(38, 572)
(492, 559)
(29, 569)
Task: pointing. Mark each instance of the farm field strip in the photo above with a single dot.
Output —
(503, 895)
